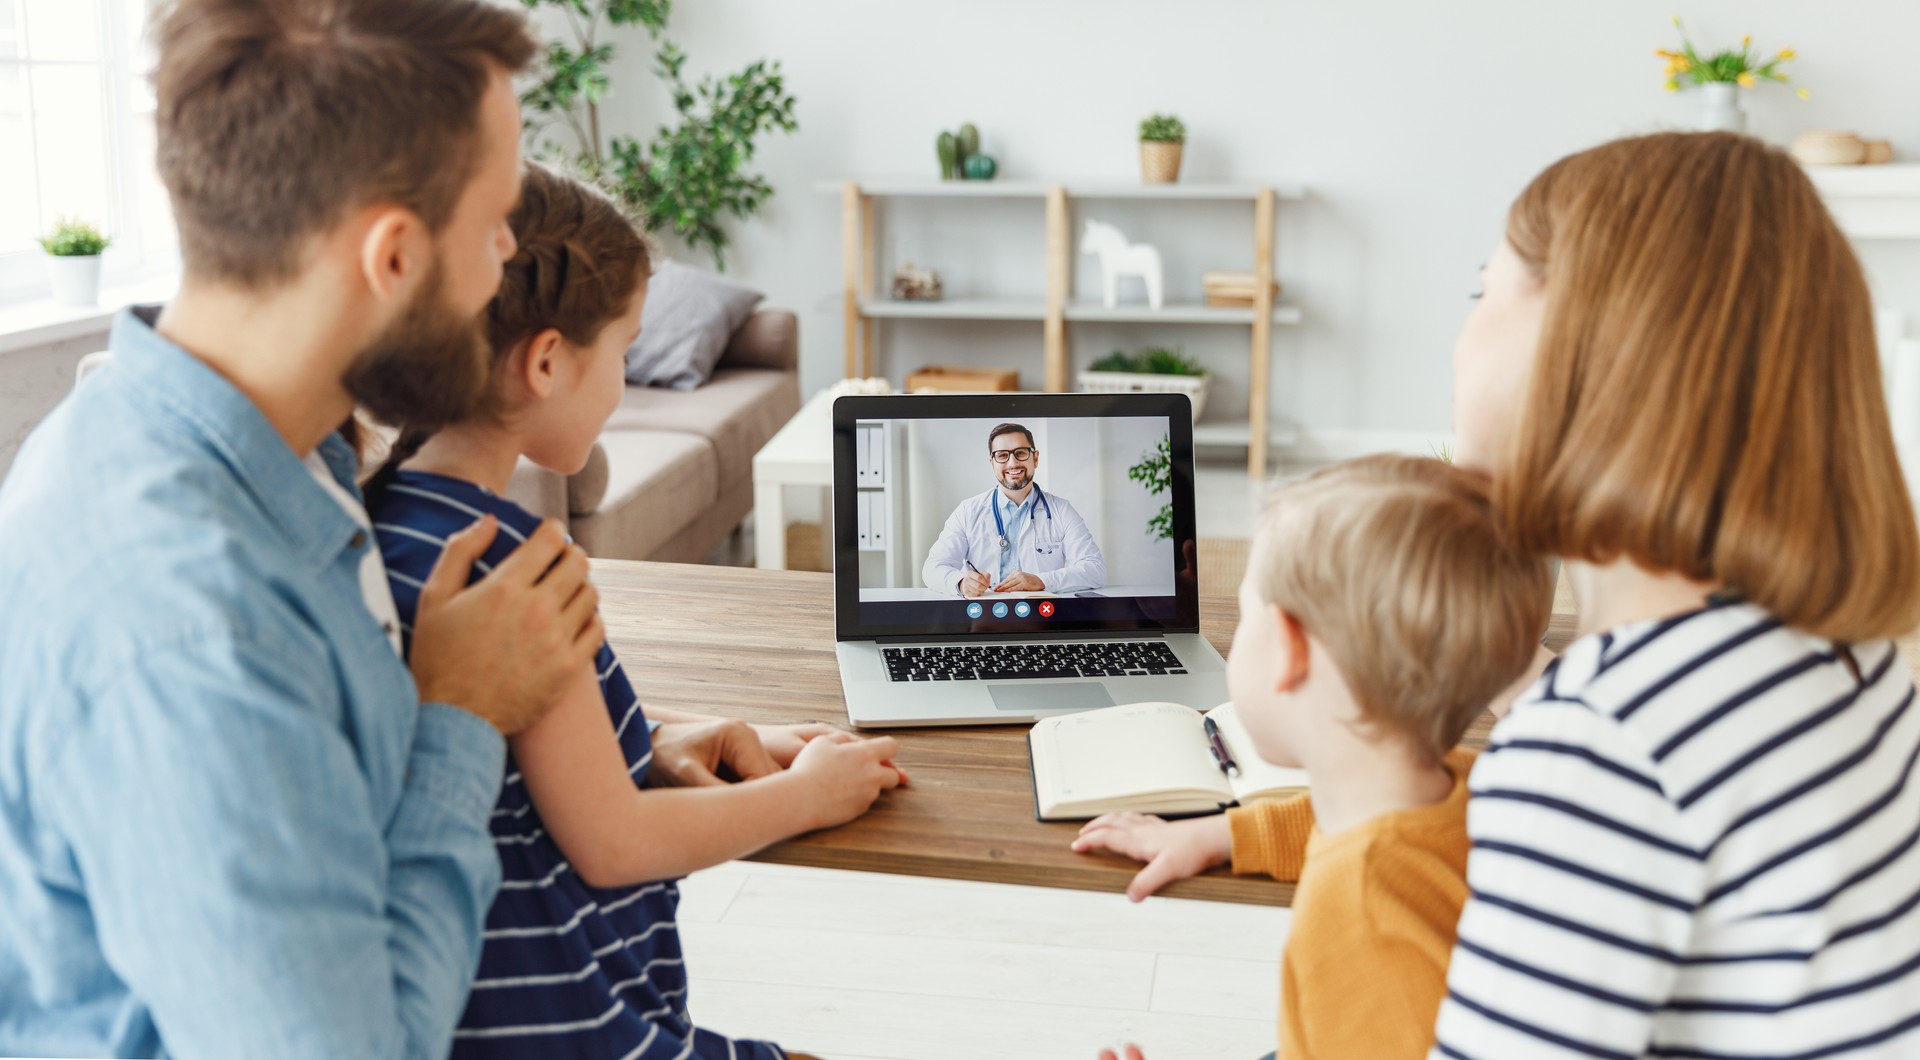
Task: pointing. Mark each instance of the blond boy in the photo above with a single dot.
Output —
(1380, 614)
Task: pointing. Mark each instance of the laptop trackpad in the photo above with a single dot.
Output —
(1051, 695)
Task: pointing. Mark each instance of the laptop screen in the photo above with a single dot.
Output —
(1014, 514)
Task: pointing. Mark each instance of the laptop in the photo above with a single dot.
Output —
(1001, 558)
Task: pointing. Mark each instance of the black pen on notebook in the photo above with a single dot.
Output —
(1219, 745)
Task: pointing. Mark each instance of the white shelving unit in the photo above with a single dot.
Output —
(877, 507)
(864, 304)
(1872, 202)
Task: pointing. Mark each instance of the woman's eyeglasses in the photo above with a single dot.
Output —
(1001, 456)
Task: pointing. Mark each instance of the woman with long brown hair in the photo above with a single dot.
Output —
(1696, 835)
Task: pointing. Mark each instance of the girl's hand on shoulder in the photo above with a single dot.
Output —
(843, 774)
(1173, 850)
(784, 742)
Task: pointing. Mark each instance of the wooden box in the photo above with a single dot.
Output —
(947, 378)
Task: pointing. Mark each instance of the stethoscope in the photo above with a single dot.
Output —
(993, 503)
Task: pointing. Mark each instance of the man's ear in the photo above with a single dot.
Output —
(396, 253)
(538, 362)
(1294, 650)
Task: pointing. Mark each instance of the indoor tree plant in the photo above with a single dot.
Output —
(1720, 77)
(1153, 370)
(73, 261)
(1155, 472)
(692, 173)
(1162, 136)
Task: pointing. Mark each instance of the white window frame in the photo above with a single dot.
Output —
(23, 271)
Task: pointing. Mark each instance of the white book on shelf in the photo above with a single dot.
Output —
(863, 454)
(864, 512)
(877, 517)
(880, 454)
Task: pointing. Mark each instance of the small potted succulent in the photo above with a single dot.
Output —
(73, 261)
(1162, 136)
(1154, 370)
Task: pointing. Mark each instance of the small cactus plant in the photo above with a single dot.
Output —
(956, 148)
(949, 152)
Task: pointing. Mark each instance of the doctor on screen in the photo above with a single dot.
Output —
(1014, 538)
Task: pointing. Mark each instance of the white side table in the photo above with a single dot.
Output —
(801, 454)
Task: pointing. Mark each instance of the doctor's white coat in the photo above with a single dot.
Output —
(1060, 550)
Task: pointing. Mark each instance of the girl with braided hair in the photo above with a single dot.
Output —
(581, 956)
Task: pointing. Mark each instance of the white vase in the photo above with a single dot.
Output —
(1718, 108)
(76, 280)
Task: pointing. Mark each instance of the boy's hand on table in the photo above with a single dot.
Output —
(784, 742)
(1132, 1053)
(505, 647)
(692, 753)
(844, 774)
(1173, 850)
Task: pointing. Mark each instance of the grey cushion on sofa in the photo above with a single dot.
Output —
(689, 316)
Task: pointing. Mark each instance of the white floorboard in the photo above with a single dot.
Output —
(843, 1024)
(859, 965)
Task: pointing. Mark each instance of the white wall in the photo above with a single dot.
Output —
(1412, 123)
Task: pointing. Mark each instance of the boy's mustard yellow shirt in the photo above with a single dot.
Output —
(1365, 967)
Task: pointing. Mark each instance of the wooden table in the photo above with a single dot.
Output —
(758, 645)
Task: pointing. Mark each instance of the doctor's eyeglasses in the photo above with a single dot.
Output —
(1001, 456)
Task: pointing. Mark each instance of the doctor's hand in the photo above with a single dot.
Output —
(974, 584)
(1021, 582)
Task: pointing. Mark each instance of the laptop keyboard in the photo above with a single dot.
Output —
(1026, 662)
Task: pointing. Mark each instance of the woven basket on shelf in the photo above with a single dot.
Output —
(1194, 386)
(1159, 161)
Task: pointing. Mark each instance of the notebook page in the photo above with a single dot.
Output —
(1127, 750)
(1256, 774)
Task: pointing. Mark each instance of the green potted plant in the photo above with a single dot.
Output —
(1162, 137)
(73, 261)
(1155, 472)
(1152, 370)
(694, 172)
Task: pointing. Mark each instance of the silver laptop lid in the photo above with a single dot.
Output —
(1078, 508)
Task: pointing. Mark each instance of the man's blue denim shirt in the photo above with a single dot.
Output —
(228, 827)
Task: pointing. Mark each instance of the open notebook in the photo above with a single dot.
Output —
(1148, 758)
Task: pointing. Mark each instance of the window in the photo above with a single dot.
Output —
(77, 139)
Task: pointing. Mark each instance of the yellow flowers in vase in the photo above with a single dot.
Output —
(1736, 66)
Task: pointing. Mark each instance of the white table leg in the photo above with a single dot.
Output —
(769, 526)
(826, 529)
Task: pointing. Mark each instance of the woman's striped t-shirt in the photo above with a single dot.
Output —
(566, 970)
(1696, 837)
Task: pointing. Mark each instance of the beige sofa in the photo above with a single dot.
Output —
(672, 475)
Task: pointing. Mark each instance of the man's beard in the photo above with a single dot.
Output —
(1025, 481)
(429, 368)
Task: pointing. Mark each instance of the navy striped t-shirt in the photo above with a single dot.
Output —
(1696, 837)
(566, 970)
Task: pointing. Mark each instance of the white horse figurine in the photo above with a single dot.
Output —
(1120, 258)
